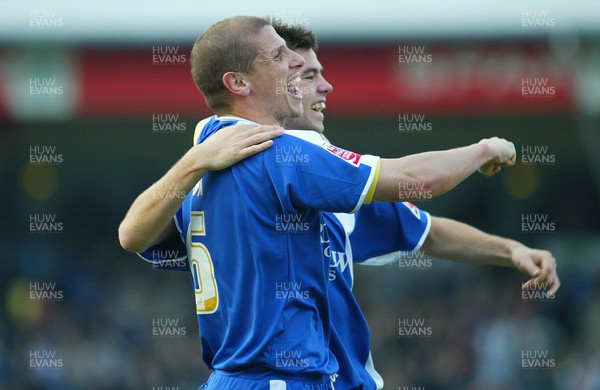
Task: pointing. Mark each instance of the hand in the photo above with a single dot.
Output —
(502, 154)
(234, 143)
(538, 264)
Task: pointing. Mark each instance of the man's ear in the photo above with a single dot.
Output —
(236, 83)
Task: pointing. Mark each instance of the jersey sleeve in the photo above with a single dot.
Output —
(383, 230)
(171, 254)
(320, 176)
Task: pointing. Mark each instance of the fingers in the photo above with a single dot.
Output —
(256, 148)
(259, 134)
(555, 286)
(508, 156)
(257, 139)
(513, 158)
(551, 287)
(512, 155)
(531, 269)
(490, 169)
(257, 129)
(503, 151)
(508, 163)
(541, 277)
(503, 154)
(543, 270)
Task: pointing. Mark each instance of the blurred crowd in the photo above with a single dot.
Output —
(114, 322)
(484, 334)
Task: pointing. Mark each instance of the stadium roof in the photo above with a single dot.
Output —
(137, 22)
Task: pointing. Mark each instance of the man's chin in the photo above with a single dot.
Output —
(317, 126)
(295, 106)
(297, 112)
(294, 112)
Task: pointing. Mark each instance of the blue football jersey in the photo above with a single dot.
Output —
(253, 234)
(378, 234)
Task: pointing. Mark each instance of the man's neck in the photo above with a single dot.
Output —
(234, 116)
(253, 116)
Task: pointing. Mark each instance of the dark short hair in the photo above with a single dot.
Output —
(297, 37)
(227, 46)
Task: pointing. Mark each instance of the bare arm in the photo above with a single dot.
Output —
(457, 241)
(150, 217)
(438, 172)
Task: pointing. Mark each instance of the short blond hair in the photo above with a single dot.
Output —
(227, 46)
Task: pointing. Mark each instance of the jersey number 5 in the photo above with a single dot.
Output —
(201, 267)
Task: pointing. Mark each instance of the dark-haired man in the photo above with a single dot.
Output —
(379, 233)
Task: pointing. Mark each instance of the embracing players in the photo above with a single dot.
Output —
(239, 261)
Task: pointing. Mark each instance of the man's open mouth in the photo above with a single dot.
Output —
(294, 87)
(319, 106)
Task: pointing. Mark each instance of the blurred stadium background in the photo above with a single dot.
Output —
(96, 102)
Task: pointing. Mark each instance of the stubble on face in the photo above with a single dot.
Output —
(313, 99)
(275, 81)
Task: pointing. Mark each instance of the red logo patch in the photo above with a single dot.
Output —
(413, 208)
(351, 157)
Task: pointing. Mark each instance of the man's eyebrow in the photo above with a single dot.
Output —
(312, 70)
(277, 49)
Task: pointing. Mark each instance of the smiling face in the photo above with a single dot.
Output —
(275, 81)
(314, 90)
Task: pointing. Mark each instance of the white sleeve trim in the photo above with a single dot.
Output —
(163, 260)
(374, 374)
(179, 229)
(425, 233)
(145, 259)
